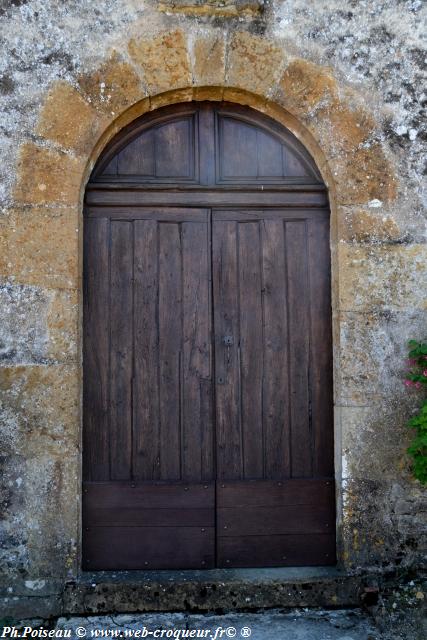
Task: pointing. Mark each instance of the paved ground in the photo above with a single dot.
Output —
(296, 625)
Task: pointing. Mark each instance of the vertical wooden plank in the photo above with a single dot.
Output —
(251, 349)
(293, 166)
(276, 403)
(170, 341)
(207, 428)
(174, 149)
(321, 347)
(206, 145)
(146, 437)
(269, 152)
(137, 158)
(196, 347)
(238, 149)
(226, 319)
(121, 350)
(96, 446)
(299, 348)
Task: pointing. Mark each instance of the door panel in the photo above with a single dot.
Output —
(277, 551)
(269, 372)
(275, 523)
(149, 525)
(265, 316)
(148, 401)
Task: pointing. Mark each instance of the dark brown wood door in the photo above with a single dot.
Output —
(149, 489)
(275, 500)
(207, 434)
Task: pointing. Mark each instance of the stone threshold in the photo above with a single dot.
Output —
(215, 590)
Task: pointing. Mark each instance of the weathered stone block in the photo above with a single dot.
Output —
(44, 402)
(51, 482)
(370, 448)
(363, 175)
(45, 176)
(164, 61)
(19, 608)
(372, 353)
(385, 276)
(351, 127)
(66, 118)
(37, 326)
(209, 61)
(113, 87)
(62, 323)
(254, 63)
(356, 224)
(39, 246)
(306, 87)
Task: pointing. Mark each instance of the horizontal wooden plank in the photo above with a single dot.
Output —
(120, 548)
(158, 495)
(259, 521)
(205, 198)
(252, 215)
(166, 214)
(119, 516)
(271, 493)
(276, 551)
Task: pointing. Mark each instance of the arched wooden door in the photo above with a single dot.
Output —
(208, 436)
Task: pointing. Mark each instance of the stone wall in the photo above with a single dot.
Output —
(348, 82)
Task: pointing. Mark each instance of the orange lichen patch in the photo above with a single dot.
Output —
(224, 9)
(40, 247)
(305, 87)
(113, 87)
(46, 176)
(253, 63)
(164, 61)
(209, 61)
(66, 118)
(340, 128)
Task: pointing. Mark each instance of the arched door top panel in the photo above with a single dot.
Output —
(215, 144)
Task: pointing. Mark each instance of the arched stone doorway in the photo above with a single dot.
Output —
(208, 431)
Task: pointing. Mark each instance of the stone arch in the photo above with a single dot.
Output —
(78, 120)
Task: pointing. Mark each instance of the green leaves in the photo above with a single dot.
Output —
(416, 377)
(417, 349)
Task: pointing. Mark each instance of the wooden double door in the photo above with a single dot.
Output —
(207, 385)
(214, 330)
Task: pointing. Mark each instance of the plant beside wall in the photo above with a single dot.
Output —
(416, 378)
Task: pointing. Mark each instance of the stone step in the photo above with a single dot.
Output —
(216, 590)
